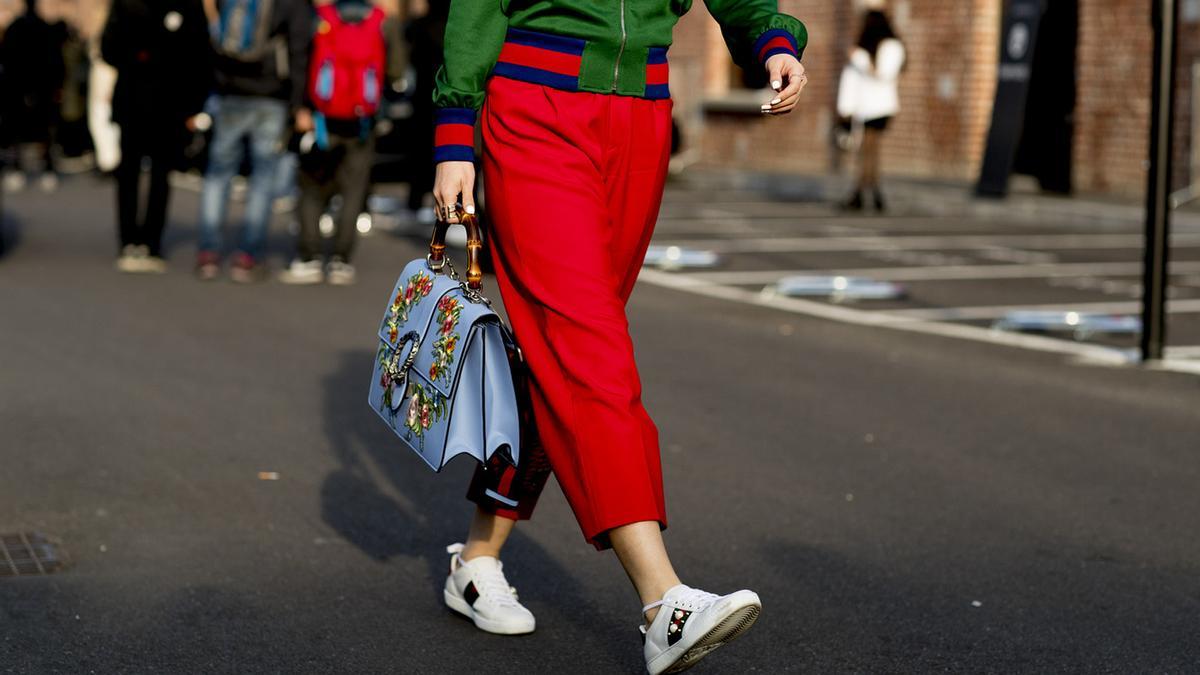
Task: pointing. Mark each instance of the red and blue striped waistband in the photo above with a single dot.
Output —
(550, 60)
(555, 61)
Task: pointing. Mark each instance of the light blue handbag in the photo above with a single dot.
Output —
(443, 381)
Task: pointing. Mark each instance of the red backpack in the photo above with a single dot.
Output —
(348, 59)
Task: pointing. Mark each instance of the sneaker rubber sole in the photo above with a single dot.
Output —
(301, 280)
(459, 605)
(729, 629)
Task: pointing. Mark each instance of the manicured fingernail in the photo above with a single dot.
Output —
(471, 209)
(776, 101)
(766, 108)
(776, 84)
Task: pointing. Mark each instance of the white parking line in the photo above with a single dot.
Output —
(1088, 352)
(951, 272)
(1184, 352)
(1190, 306)
(927, 242)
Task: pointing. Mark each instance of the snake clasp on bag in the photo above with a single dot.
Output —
(443, 380)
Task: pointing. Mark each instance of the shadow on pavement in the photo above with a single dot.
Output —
(355, 501)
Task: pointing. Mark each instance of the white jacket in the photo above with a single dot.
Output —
(869, 92)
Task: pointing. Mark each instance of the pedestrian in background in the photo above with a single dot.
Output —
(425, 37)
(356, 50)
(161, 53)
(31, 58)
(868, 98)
(261, 66)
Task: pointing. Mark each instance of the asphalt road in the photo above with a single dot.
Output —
(902, 502)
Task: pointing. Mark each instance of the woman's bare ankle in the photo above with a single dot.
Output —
(473, 550)
(487, 536)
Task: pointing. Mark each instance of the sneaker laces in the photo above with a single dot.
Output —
(685, 598)
(493, 584)
(490, 582)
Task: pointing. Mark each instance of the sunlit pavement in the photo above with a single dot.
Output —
(903, 501)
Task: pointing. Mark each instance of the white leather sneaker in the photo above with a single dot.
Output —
(692, 623)
(478, 590)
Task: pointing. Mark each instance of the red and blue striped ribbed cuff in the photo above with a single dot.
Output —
(454, 135)
(775, 41)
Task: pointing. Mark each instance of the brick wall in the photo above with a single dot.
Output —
(1187, 116)
(1112, 110)
(946, 93)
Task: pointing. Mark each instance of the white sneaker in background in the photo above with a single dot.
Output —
(303, 273)
(152, 264)
(130, 260)
(14, 181)
(137, 260)
(478, 590)
(48, 182)
(339, 273)
(692, 623)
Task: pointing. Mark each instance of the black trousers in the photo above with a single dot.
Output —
(162, 143)
(345, 169)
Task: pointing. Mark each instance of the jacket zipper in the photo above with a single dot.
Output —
(621, 50)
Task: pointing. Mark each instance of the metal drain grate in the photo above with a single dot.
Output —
(28, 554)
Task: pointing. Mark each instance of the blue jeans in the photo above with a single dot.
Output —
(261, 119)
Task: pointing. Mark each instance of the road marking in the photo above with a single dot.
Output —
(1088, 352)
(1190, 306)
(928, 242)
(1184, 352)
(951, 272)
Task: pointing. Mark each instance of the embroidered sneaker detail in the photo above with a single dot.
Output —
(470, 594)
(675, 628)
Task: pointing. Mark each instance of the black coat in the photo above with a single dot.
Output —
(163, 58)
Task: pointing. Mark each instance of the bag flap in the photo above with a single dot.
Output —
(434, 307)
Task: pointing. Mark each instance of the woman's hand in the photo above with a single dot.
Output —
(787, 80)
(454, 180)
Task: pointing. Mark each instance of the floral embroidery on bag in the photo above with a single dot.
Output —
(425, 407)
(448, 311)
(385, 380)
(418, 287)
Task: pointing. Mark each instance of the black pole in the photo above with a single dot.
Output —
(1158, 191)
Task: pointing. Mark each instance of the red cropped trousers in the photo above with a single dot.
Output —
(574, 182)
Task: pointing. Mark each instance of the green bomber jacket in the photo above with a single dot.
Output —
(604, 46)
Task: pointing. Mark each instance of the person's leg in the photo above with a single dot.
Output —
(640, 548)
(128, 174)
(316, 187)
(266, 148)
(353, 176)
(168, 144)
(869, 175)
(489, 531)
(224, 157)
(635, 176)
(563, 296)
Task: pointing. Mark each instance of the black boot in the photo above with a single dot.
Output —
(853, 203)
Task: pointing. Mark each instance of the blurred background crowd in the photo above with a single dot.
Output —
(226, 91)
(220, 88)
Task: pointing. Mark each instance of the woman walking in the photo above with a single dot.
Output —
(576, 123)
(868, 96)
